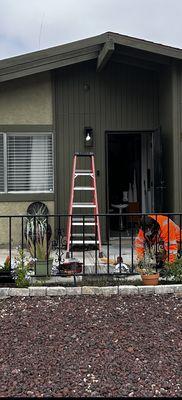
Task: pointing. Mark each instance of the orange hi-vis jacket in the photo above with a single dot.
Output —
(169, 235)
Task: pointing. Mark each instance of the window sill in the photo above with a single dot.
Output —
(15, 197)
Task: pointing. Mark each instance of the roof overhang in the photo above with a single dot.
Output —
(100, 47)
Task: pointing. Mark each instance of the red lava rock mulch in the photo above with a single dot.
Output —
(88, 346)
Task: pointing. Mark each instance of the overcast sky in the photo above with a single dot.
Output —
(30, 25)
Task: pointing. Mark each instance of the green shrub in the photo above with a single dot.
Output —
(21, 268)
(173, 271)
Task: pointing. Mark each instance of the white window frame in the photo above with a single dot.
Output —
(5, 136)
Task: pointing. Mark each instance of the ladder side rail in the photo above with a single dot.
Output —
(96, 210)
(71, 204)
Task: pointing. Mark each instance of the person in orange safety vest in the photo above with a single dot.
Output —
(163, 233)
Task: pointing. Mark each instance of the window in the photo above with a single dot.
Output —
(26, 162)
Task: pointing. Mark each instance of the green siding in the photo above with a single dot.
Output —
(120, 98)
(166, 123)
(177, 138)
(180, 147)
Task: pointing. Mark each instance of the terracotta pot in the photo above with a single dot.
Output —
(150, 279)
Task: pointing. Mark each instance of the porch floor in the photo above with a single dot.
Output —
(111, 251)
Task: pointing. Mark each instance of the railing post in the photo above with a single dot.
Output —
(120, 242)
(22, 237)
(168, 235)
(156, 248)
(10, 240)
(95, 216)
(71, 236)
(22, 234)
(180, 239)
(84, 244)
(34, 234)
(107, 235)
(132, 243)
(47, 246)
(59, 240)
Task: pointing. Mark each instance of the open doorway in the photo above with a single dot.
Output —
(129, 177)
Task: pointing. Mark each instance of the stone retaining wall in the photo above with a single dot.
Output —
(90, 290)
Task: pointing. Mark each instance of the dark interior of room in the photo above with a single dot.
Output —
(124, 159)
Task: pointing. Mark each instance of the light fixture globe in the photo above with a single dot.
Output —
(88, 137)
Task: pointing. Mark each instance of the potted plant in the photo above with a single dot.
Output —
(40, 250)
(146, 268)
(5, 272)
(5, 268)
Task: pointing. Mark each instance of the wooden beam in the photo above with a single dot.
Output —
(147, 46)
(135, 62)
(105, 54)
(131, 52)
(51, 63)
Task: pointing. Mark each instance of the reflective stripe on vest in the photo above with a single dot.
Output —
(172, 242)
(138, 239)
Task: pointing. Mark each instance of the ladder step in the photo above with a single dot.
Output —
(81, 234)
(77, 221)
(84, 205)
(83, 188)
(83, 172)
(85, 224)
(85, 242)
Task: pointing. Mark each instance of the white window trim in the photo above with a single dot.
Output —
(5, 136)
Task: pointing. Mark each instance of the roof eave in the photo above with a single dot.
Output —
(98, 47)
(52, 58)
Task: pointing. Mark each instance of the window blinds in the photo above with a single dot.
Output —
(29, 163)
(1, 163)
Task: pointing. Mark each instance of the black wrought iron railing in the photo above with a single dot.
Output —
(42, 241)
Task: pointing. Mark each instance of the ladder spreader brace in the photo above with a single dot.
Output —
(72, 238)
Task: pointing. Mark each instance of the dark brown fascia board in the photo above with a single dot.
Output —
(146, 45)
(105, 54)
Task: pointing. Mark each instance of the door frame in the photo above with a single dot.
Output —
(119, 132)
(147, 173)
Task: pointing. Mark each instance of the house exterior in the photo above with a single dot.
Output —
(126, 91)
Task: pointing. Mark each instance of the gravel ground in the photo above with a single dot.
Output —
(90, 346)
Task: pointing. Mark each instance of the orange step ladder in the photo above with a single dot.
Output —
(83, 238)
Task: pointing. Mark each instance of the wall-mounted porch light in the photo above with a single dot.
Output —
(88, 137)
